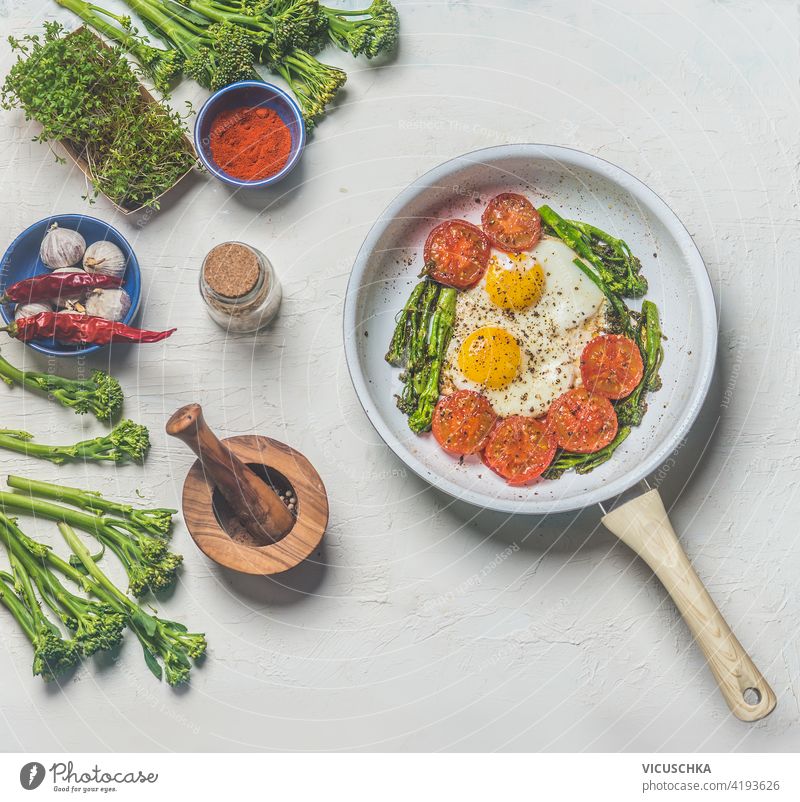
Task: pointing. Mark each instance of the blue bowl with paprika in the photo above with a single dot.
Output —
(22, 261)
(250, 134)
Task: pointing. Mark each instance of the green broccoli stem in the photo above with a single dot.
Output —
(571, 235)
(315, 84)
(97, 18)
(418, 313)
(403, 330)
(441, 331)
(650, 341)
(159, 638)
(621, 313)
(419, 340)
(21, 578)
(584, 463)
(97, 627)
(53, 654)
(173, 27)
(615, 251)
(16, 607)
(128, 441)
(46, 554)
(156, 522)
(101, 395)
(146, 559)
(415, 366)
(212, 12)
(619, 269)
(367, 31)
(218, 45)
(616, 272)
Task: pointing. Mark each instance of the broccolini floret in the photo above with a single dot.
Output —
(149, 564)
(161, 65)
(157, 522)
(369, 31)
(53, 655)
(101, 394)
(167, 640)
(97, 626)
(630, 411)
(218, 42)
(617, 267)
(126, 441)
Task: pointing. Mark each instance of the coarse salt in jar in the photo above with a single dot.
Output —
(240, 288)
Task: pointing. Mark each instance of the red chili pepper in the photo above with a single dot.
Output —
(55, 285)
(73, 328)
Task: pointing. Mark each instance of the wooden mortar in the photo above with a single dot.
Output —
(279, 539)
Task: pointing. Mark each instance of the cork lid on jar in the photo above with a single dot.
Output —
(231, 270)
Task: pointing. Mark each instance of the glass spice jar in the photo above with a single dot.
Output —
(240, 288)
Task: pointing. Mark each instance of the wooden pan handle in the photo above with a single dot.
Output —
(643, 525)
(256, 504)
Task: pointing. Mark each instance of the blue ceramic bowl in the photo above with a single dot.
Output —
(249, 94)
(22, 261)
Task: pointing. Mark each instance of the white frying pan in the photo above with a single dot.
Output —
(583, 187)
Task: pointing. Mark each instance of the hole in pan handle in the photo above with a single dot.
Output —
(643, 525)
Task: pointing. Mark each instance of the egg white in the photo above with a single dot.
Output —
(551, 334)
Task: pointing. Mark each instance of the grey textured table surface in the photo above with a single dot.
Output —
(427, 625)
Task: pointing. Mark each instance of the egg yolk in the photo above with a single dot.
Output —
(516, 288)
(490, 356)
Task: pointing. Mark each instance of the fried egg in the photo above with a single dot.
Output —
(519, 332)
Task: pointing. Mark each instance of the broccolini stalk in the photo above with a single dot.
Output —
(101, 394)
(97, 626)
(315, 84)
(631, 410)
(584, 463)
(147, 560)
(167, 640)
(619, 316)
(618, 268)
(441, 332)
(217, 43)
(416, 362)
(127, 441)
(368, 31)
(617, 258)
(404, 329)
(161, 65)
(617, 273)
(156, 522)
(53, 654)
(419, 344)
(419, 341)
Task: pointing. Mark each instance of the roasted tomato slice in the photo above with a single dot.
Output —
(582, 422)
(611, 365)
(456, 254)
(511, 223)
(462, 422)
(519, 449)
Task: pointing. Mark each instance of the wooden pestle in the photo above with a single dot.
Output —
(256, 504)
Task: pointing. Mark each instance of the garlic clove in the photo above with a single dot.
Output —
(105, 257)
(112, 304)
(61, 247)
(29, 310)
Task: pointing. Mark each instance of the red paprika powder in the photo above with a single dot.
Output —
(250, 143)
